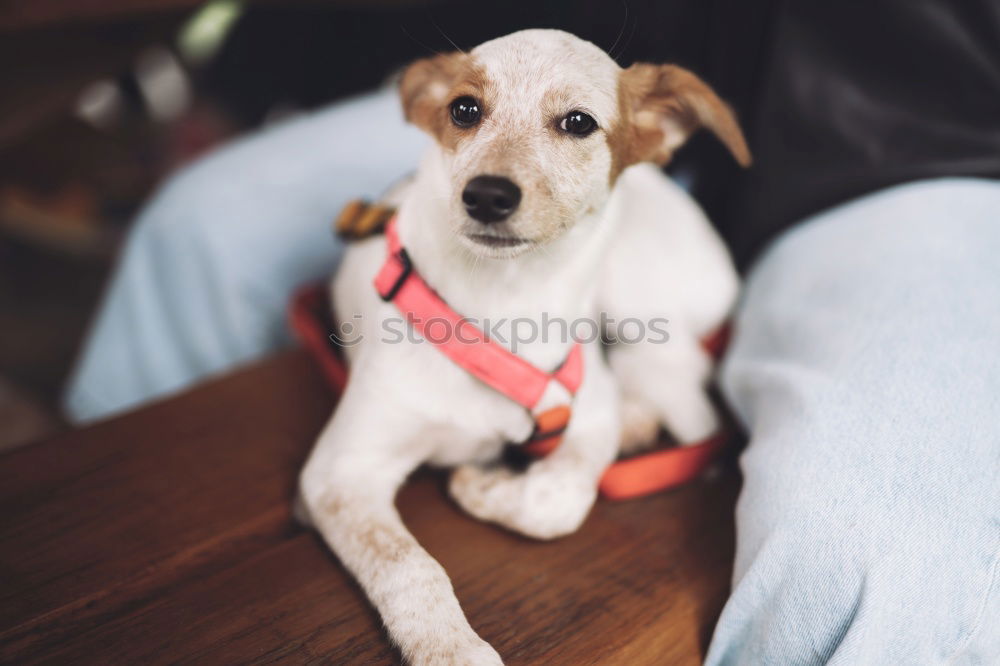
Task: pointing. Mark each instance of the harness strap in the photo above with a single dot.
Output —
(659, 470)
(470, 348)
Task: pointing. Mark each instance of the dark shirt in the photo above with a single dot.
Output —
(856, 96)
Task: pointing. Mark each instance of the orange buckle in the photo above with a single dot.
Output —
(549, 428)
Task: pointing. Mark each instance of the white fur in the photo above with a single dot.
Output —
(642, 249)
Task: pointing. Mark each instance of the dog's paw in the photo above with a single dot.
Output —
(475, 489)
(691, 418)
(640, 427)
(541, 503)
(473, 651)
(478, 655)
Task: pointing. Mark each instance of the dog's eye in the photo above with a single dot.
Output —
(465, 111)
(578, 123)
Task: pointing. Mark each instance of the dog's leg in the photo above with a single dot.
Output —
(640, 426)
(668, 380)
(348, 488)
(554, 495)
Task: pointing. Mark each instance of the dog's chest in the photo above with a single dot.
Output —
(458, 417)
(463, 419)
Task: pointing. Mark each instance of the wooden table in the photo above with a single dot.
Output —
(166, 536)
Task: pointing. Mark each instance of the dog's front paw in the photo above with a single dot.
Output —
(541, 503)
(478, 655)
(476, 490)
(691, 418)
(640, 427)
(472, 652)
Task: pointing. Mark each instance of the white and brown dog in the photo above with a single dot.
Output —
(531, 205)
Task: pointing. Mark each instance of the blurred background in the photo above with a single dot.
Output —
(100, 100)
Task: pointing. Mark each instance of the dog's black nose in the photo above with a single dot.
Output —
(491, 198)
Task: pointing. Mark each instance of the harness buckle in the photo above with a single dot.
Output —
(550, 426)
(404, 259)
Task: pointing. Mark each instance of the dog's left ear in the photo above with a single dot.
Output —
(663, 105)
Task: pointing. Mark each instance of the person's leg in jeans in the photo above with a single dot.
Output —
(207, 271)
(866, 367)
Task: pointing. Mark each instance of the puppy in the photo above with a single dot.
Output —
(532, 205)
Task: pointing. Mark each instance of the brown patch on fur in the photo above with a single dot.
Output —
(383, 544)
(379, 541)
(651, 99)
(430, 84)
(333, 505)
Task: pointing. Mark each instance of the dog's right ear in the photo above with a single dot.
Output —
(424, 90)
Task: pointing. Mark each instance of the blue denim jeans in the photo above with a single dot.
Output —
(867, 370)
(865, 365)
(212, 261)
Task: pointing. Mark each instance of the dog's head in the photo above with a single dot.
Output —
(535, 127)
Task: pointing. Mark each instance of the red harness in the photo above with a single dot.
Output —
(547, 395)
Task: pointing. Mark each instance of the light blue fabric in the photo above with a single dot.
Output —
(866, 365)
(208, 270)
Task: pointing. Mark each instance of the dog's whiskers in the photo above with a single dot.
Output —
(621, 32)
(631, 34)
(434, 23)
(417, 41)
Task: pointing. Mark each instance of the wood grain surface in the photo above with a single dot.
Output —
(166, 536)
